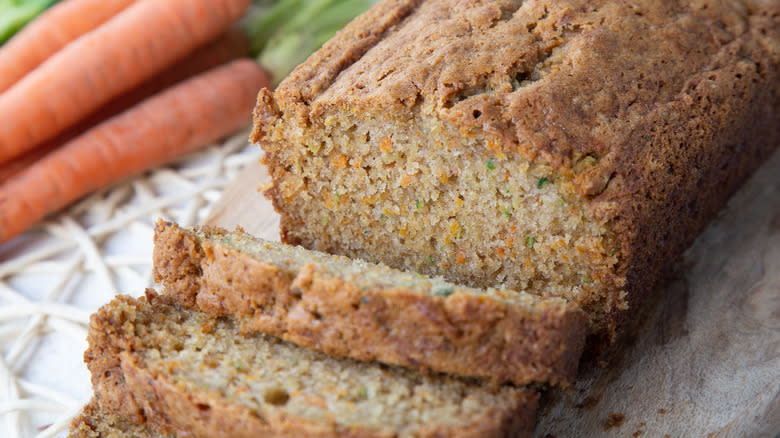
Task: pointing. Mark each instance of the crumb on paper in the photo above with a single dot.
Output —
(588, 403)
(615, 419)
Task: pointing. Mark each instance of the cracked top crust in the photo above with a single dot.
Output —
(552, 80)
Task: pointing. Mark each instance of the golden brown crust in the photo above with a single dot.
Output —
(679, 165)
(676, 102)
(322, 68)
(462, 334)
(152, 398)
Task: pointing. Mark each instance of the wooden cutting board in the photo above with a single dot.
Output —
(704, 359)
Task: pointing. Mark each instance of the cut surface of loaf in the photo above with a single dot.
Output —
(567, 148)
(157, 363)
(352, 308)
(93, 422)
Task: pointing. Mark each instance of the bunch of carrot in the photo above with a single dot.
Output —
(93, 91)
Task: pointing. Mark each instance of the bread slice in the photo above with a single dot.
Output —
(570, 148)
(157, 363)
(92, 422)
(350, 308)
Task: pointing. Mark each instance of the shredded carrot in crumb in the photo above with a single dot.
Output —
(514, 228)
(386, 145)
(406, 179)
(455, 229)
(496, 148)
(402, 231)
(510, 241)
(500, 251)
(242, 389)
(340, 161)
(459, 201)
(461, 258)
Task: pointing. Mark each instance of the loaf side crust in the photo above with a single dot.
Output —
(675, 104)
(93, 422)
(461, 334)
(153, 399)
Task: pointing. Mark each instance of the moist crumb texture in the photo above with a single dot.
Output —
(366, 311)
(156, 363)
(563, 148)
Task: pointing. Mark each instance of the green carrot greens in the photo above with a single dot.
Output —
(14, 14)
(284, 33)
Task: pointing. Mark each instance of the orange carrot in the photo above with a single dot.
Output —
(18, 164)
(51, 31)
(231, 45)
(142, 40)
(181, 119)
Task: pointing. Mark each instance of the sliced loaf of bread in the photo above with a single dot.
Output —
(92, 422)
(566, 147)
(351, 308)
(155, 362)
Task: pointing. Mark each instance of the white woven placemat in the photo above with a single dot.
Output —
(56, 274)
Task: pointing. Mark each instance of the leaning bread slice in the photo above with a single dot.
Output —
(155, 362)
(93, 422)
(351, 308)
